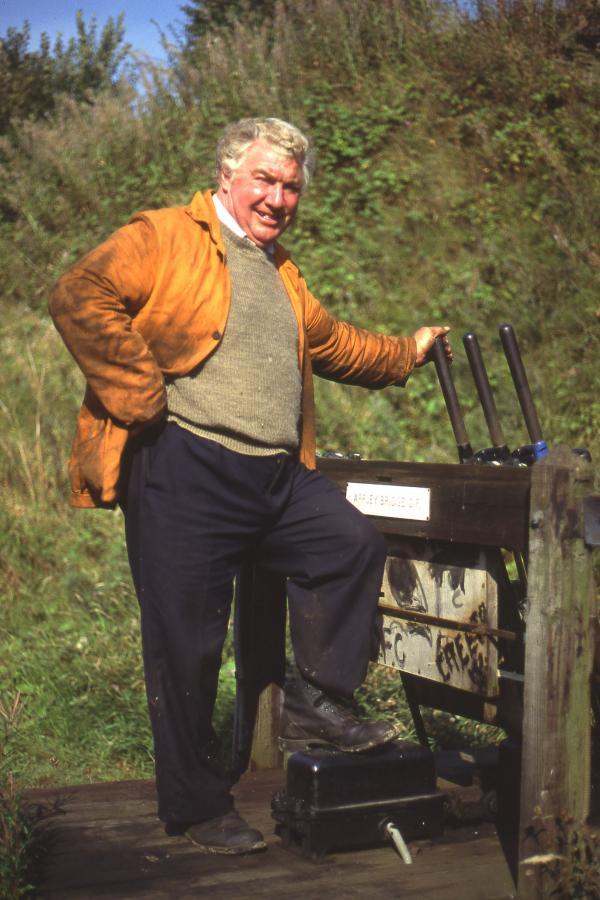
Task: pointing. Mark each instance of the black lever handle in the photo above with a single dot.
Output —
(442, 367)
(519, 377)
(486, 398)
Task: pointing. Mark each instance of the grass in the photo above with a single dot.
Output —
(68, 620)
(15, 835)
(382, 697)
(22, 824)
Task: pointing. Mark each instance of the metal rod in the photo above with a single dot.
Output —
(519, 377)
(480, 628)
(415, 709)
(393, 832)
(442, 367)
(484, 390)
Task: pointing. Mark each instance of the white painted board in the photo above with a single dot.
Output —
(438, 652)
(390, 501)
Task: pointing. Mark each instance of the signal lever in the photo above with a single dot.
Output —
(498, 454)
(530, 453)
(442, 367)
(538, 448)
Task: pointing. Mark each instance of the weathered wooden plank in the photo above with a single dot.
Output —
(133, 858)
(424, 603)
(484, 505)
(560, 620)
(468, 661)
(463, 591)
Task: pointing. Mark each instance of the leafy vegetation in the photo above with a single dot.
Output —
(13, 822)
(457, 182)
(203, 16)
(32, 80)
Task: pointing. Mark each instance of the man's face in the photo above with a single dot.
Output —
(262, 194)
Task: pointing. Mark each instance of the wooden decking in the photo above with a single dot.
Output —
(107, 842)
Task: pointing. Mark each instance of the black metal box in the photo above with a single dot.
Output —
(335, 800)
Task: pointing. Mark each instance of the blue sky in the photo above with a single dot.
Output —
(55, 16)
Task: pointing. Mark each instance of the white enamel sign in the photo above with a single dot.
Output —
(392, 501)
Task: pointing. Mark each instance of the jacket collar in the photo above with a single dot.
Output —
(202, 210)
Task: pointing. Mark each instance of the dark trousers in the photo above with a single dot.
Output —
(194, 511)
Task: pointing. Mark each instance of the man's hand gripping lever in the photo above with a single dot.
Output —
(425, 339)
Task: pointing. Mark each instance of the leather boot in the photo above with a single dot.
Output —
(228, 834)
(312, 719)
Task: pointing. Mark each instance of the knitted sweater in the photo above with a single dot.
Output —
(247, 394)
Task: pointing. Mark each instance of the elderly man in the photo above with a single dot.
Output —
(198, 338)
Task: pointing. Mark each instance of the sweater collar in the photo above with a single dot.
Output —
(202, 210)
(225, 218)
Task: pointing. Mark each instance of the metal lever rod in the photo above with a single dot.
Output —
(442, 367)
(391, 830)
(519, 377)
(486, 397)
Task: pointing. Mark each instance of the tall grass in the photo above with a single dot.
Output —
(14, 825)
(22, 824)
(68, 621)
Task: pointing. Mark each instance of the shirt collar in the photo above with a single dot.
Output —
(227, 219)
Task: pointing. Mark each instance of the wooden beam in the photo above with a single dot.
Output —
(560, 617)
(483, 505)
(265, 752)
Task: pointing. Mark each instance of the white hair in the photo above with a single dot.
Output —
(286, 138)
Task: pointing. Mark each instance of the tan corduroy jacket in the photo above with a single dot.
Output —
(152, 301)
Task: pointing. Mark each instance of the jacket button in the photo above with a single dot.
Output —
(216, 335)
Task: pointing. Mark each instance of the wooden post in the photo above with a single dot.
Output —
(259, 630)
(265, 752)
(560, 621)
(535, 876)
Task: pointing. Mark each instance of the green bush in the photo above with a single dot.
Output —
(32, 80)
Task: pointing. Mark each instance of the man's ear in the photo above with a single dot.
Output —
(225, 178)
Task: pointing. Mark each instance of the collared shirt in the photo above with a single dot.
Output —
(227, 219)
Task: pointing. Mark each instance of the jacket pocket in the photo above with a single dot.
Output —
(95, 463)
